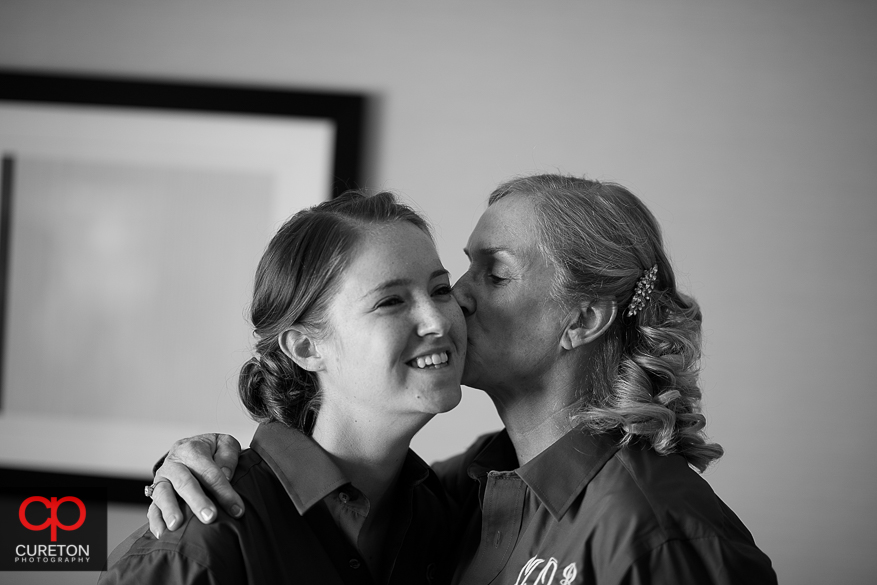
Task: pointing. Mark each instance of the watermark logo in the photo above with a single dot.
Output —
(53, 518)
(54, 529)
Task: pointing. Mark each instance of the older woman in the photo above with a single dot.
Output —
(578, 333)
(360, 343)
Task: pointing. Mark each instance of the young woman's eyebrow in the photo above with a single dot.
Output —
(402, 282)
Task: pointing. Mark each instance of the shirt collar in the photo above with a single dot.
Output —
(306, 471)
(557, 475)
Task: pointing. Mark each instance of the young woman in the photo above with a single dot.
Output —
(359, 344)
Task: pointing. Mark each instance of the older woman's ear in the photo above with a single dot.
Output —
(589, 321)
(299, 346)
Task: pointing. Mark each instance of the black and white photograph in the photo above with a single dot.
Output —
(494, 293)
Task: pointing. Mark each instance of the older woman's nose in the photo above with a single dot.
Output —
(462, 294)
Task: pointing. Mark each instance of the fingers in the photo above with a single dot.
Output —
(164, 499)
(178, 478)
(196, 457)
(156, 522)
(226, 456)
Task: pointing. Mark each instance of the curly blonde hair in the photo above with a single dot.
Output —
(643, 379)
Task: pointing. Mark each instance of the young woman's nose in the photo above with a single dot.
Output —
(431, 320)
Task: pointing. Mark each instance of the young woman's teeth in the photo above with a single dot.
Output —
(435, 359)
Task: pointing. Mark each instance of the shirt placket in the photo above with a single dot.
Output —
(502, 514)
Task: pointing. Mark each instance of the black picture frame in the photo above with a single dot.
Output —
(346, 110)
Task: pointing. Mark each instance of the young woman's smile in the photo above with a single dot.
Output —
(396, 337)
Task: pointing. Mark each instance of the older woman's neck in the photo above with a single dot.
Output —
(536, 414)
(534, 428)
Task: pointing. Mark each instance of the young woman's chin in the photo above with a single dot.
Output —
(451, 399)
(441, 399)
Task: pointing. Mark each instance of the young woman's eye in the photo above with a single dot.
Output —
(443, 290)
(390, 302)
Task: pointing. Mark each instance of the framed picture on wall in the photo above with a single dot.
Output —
(133, 216)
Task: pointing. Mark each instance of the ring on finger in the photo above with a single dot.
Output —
(148, 490)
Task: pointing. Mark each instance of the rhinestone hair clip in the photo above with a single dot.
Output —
(643, 291)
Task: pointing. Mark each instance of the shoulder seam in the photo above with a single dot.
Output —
(172, 551)
(668, 541)
(249, 468)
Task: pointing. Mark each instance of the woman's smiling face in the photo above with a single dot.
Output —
(395, 341)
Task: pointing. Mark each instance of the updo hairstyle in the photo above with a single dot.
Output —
(643, 379)
(296, 279)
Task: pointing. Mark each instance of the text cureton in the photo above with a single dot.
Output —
(52, 550)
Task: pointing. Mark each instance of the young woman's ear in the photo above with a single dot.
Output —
(299, 346)
(591, 320)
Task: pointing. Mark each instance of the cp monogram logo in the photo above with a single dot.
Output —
(52, 506)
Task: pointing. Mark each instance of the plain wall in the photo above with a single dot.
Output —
(749, 128)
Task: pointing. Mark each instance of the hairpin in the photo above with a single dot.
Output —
(643, 291)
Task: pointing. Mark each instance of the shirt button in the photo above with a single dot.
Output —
(343, 497)
(354, 563)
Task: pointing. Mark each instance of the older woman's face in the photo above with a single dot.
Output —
(514, 327)
(397, 339)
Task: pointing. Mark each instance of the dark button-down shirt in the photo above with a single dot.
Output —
(586, 511)
(301, 526)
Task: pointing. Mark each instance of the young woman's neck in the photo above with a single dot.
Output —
(369, 452)
(370, 449)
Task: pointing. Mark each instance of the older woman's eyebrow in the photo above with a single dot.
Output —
(492, 251)
(403, 282)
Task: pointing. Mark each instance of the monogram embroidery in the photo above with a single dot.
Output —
(546, 575)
